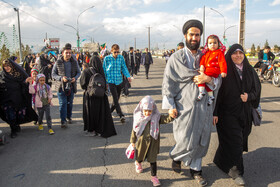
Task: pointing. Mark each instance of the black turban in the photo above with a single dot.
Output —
(192, 23)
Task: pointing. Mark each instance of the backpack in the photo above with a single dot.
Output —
(96, 86)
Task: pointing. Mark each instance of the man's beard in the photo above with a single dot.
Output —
(192, 46)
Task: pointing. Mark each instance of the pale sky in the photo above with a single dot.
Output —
(120, 21)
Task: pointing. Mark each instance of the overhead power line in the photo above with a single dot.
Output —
(36, 17)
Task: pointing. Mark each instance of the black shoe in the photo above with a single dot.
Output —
(176, 166)
(64, 124)
(69, 120)
(239, 181)
(197, 175)
(35, 122)
(13, 135)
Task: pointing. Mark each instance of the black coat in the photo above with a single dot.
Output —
(96, 111)
(234, 116)
(14, 92)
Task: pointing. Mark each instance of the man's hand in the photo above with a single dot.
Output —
(73, 80)
(244, 97)
(129, 79)
(215, 120)
(173, 113)
(133, 144)
(202, 78)
(64, 79)
(49, 101)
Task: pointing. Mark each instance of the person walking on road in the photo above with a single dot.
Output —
(147, 60)
(43, 96)
(96, 110)
(15, 100)
(138, 61)
(145, 131)
(65, 72)
(192, 127)
(239, 94)
(114, 66)
(132, 61)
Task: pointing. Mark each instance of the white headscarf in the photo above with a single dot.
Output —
(140, 120)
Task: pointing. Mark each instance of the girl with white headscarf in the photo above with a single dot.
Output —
(146, 120)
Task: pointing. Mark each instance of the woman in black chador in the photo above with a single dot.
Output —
(15, 100)
(96, 110)
(239, 94)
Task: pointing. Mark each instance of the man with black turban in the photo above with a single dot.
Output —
(192, 126)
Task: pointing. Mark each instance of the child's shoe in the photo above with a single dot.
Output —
(155, 181)
(210, 100)
(200, 96)
(51, 132)
(41, 127)
(138, 167)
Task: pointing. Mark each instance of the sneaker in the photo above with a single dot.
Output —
(41, 127)
(51, 132)
(69, 120)
(64, 124)
(155, 181)
(138, 167)
(122, 119)
(91, 134)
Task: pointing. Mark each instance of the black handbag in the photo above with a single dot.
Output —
(257, 115)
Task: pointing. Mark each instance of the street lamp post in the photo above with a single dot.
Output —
(77, 29)
(19, 35)
(78, 36)
(224, 20)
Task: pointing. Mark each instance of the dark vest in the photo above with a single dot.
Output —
(61, 72)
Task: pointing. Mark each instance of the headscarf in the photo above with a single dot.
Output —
(221, 46)
(17, 71)
(140, 120)
(248, 74)
(42, 89)
(96, 64)
(34, 69)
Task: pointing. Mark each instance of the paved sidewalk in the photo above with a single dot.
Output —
(70, 159)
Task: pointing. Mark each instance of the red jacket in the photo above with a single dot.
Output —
(214, 63)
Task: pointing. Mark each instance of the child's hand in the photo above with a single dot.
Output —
(223, 75)
(173, 113)
(29, 80)
(133, 144)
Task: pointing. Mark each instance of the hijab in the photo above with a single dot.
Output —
(96, 64)
(17, 73)
(140, 120)
(248, 76)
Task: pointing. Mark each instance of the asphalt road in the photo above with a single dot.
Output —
(70, 159)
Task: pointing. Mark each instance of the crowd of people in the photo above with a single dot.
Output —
(232, 91)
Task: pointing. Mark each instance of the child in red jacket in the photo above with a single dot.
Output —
(212, 63)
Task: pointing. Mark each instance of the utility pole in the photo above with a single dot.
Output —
(134, 43)
(19, 35)
(149, 43)
(241, 34)
(204, 25)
